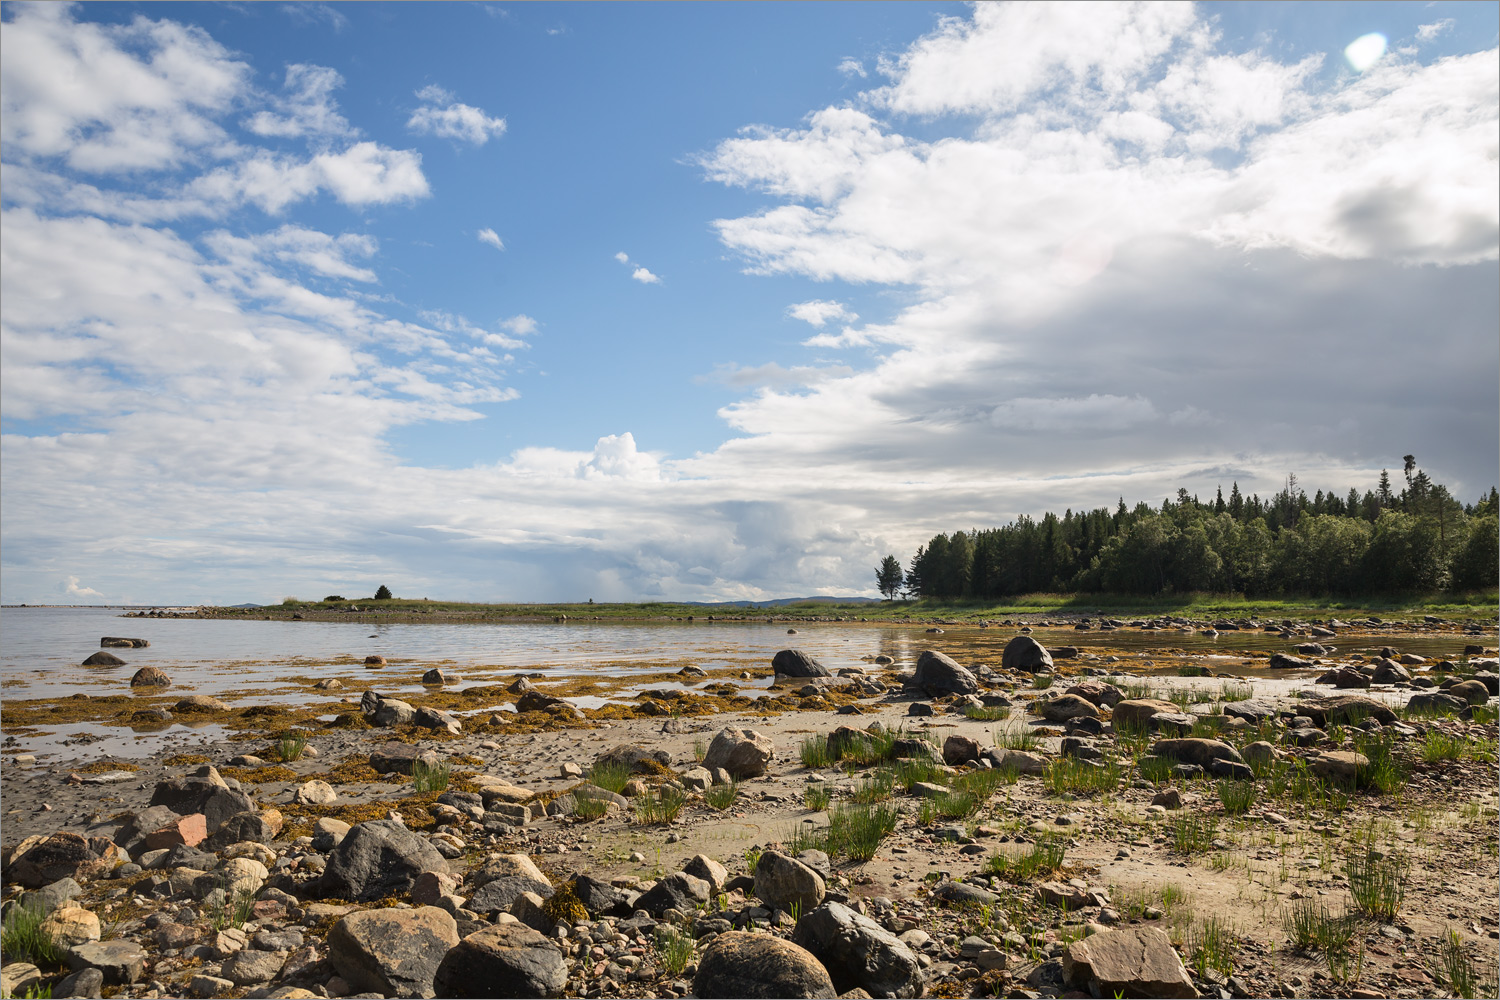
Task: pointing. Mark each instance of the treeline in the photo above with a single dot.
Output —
(1420, 539)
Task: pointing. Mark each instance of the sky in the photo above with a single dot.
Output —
(714, 301)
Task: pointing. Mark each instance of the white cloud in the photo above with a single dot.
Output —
(820, 311)
(521, 325)
(313, 13)
(645, 277)
(308, 108)
(623, 257)
(1428, 32)
(452, 120)
(489, 236)
(853, 67)
(1365, 51)
(71, 588)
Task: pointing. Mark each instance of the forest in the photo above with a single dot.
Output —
(1420, 539)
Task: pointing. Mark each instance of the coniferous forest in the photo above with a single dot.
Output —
(1417, 539)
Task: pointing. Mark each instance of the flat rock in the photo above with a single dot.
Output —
(1131, 962)
(400, 758)
(1193, 750)
(1138, 711)
(1339, 766)
(62, 855)
(1346, 708)
(120, 961)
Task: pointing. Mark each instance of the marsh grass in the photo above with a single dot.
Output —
(856, 832)
(1193, 833)
(1308, 924)
(700, 749)
(875, 787)
(674, 949)
(814, 752)
(817, 797)
(22, 937)
(1041, 682)
(291, 746)
(1067, 774)
(1454, 967)
(1237, 796)
(659, 805)
(1377, 883)
(987, 714)
(1018, 739)
(429, 777)
(910, 770)
(1386, 773)
(611, 777)
(721, 796)
(1211, 944)
(983, 782)
(587, 809)
(1044, 858)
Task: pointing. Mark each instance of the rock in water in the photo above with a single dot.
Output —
(744, 753)
(505, 960)
(377, 859)
(939, 674)
(103, 659)
(796, 663)
(150, 677)
(1025, 653)
(1134, 962)
(858, 953)
(759, 967)
(395, 952)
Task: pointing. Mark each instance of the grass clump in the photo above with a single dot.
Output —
(588, 809)
(291, 746)
(429, 777)
(1237, 796)
(565, 906)
(1454, 967)
(987, 714)
(1018, 739)
(610, 777)
(1068, 774)
(817, 797)
(1040, 682)
(856, 832)
(22, 937)
(1211, 945)
(674, 949)
(721, 796)
(815, 753)
(1308, 924)
(1377, 883)
(1044, 858)
(910, 770)
(876, 787)
(1155, 769)
(1193, 833)
(660, 805)
(1386, 773)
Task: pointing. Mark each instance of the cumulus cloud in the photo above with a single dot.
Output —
(637, 271)
(820, 311)
(71, 588)
(853, 67)
(1428, 32)
(443, 116)
(308, 107)
(490, 237)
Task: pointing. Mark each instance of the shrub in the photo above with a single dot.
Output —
(383, 594)
(331, 598)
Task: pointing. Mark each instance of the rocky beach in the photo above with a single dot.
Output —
(1051, 820)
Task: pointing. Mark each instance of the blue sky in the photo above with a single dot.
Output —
(713, 301)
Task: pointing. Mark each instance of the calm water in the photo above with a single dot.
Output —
(41, 649)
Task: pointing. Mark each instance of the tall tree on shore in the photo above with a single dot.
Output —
(383, 594)
(888, 577)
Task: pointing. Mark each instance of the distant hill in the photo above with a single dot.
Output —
(782, 602)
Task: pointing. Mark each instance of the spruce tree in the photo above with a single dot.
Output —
(888, 577)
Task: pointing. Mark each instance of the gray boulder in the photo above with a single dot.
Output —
(505, 960)
(1131, 962)
(634, 758)
(759, 967)
(782, 882)
(858, 953)
(1345, 708)
(377, 859)
(120, 961)
(939, 674)
(678, 891)
(1283, 661)
(1065, 707)
(796, 663)
(103, 659)
(1192, 750)
(399, 758)
(1026, 654)
(744, 753)
(498, 894)
(394, 952)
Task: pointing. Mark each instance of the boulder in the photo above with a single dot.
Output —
(960, 750)
(1473, 692)
(315, 793)
(1282, 661)
(1191, 750)
(1253, 711)
(1344, 678)
(503, 960)
(119, 642)
(1065, 707)
(1020, 761)
(1259, 752)
(328, 684)
(119, 960)
(846, 736)
(636, 759)
(781, 881)
(190, 830)
(962, 894)
(393, 712)
(201, 703)
(678, 891)
(744, 753)
(19, 977)
(50, 897)
(240, 827)
(704, 867)
(251, 967)
(497, 895)
(740, 964)
(939, 674)
(150, 677)
(796, 663)
(439, 676)
(1130, 962)
(62, 855)
(1389, 672)
(1098, 693)
(70, 926)
(1176, 723)
(858, 953)
(394, 952)
(1346, 708)
(431, 718)
(1339, 766)
(377, 859)
(1137, 712)
(600, 898)
(399, 758)
(506, 866)
(1026, 654)
(103, 659)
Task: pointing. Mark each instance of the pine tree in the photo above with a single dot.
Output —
(1236, 502)
(1219, 500)
(1383, 491)
(383, 594)
(888, 577)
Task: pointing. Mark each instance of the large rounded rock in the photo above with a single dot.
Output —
(1067, 706)
(759, 967)
(1025, 653)
(1389, 672)
(71, 926)
(119, 961)
(858, 953)
(1436, 703)
(783, 882)
(201, 703)
(1339, 766)
(1345, 708)
(796, 663)
(637, 759)
(62, 855)
(498, 894)
(1133, 962)
(505, 960)
(960, 750)
(1098, 692)
(1474, 692)
(1284, 661)
(377, 859)
(744, 753)
(939, 674)
(1192, 750)
(150, 677)
(103, 659)
(1137, 712)
(678, 891)
(395, 952)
